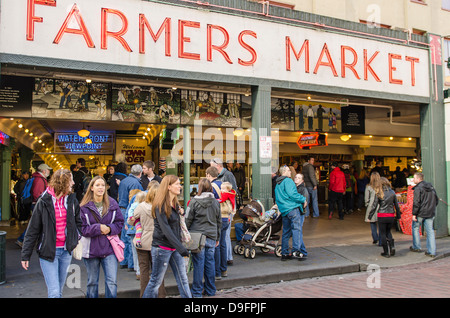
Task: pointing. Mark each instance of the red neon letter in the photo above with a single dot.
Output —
(329, 63)
(31, 18)
(182, 39)
(367, 66)
(82, 31)
(116, 35)
(248, 48)
(350, 66)
(305, 47)
(164, 26)
(220, 48)
(392, 80)
(413, 68)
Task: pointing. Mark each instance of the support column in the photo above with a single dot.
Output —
(432, 124)
(5, 177)
(261, 127)
(187, 165)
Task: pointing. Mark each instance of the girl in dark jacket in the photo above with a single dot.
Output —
(54, 228)
(167, 248)
(101, 217)
(203, 216)
(387, 209)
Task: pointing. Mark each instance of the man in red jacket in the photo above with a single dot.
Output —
(336, 190)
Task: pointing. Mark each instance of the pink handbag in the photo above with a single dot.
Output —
(117, 246)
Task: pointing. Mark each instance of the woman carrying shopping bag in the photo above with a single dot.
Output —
(102, 220)
(167, 248)
(203, 216)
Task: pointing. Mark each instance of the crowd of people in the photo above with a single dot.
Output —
(134, 221)
(140, 209)
(296, 193)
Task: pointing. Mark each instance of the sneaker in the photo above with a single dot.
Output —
(286, 257)
(224, 274)
(19, 243)
(218, 277)
(412, 249)
(430, 255)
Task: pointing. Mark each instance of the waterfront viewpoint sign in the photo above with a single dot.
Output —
(160, 36)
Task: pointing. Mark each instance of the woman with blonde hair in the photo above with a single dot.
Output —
(369, 197)
(143, 215)
(387, 209)
(101, 217)
(167, 248)
(54, 228)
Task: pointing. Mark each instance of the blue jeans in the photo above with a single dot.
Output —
(161, 258)
(127, 252)
(220, 255)
(110, 265)
(292, 227)
(313, 201)
(55, 273)
(204, 267)
(427, 225)
(374, 230)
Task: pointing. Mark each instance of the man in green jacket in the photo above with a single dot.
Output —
(290, 204)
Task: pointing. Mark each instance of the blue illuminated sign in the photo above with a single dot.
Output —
(72, 143)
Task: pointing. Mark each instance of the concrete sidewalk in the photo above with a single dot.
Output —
(264, 268)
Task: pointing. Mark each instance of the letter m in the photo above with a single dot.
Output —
(143, 23)
(290, 46)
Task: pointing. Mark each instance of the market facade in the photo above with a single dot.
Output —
(237, 81)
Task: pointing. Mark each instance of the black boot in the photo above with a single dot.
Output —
(392, 247)
(386, 252)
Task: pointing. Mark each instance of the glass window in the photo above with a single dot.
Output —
(446, 4)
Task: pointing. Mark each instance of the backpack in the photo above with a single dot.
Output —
(84, 184)
(26, 196)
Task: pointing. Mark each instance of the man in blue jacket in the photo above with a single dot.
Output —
(127, 185)
(290, 204)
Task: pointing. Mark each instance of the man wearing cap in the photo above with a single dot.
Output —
(38, 187)
(336, 190)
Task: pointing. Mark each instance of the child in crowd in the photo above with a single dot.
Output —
(140, 197)
(228, 196)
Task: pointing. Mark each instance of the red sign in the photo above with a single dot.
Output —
(309, 140)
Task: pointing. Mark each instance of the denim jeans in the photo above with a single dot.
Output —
(221, 250)
(204, 267)
(427, 225)
(127, 252)
(109, 265)
(55, 273)
(292, 227)
(374, 230)
(313, 201)
(161, 258)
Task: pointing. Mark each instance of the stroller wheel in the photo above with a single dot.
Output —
(252, 253)
(236, 249)
(265, 249)
(278, 250)
(241, 249)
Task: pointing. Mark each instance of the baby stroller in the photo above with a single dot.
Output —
(263, 229)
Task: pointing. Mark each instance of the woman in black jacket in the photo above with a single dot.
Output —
(54, 228)
(167, 248)
(387, 209)
(203, 216)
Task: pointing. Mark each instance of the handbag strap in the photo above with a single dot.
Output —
(216, 187)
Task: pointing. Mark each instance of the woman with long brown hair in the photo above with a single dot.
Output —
(387, 209)
(101, 217)
(54, 228)
(143, 214)
(167, 248)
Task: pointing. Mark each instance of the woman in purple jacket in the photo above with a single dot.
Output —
(101, 216)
